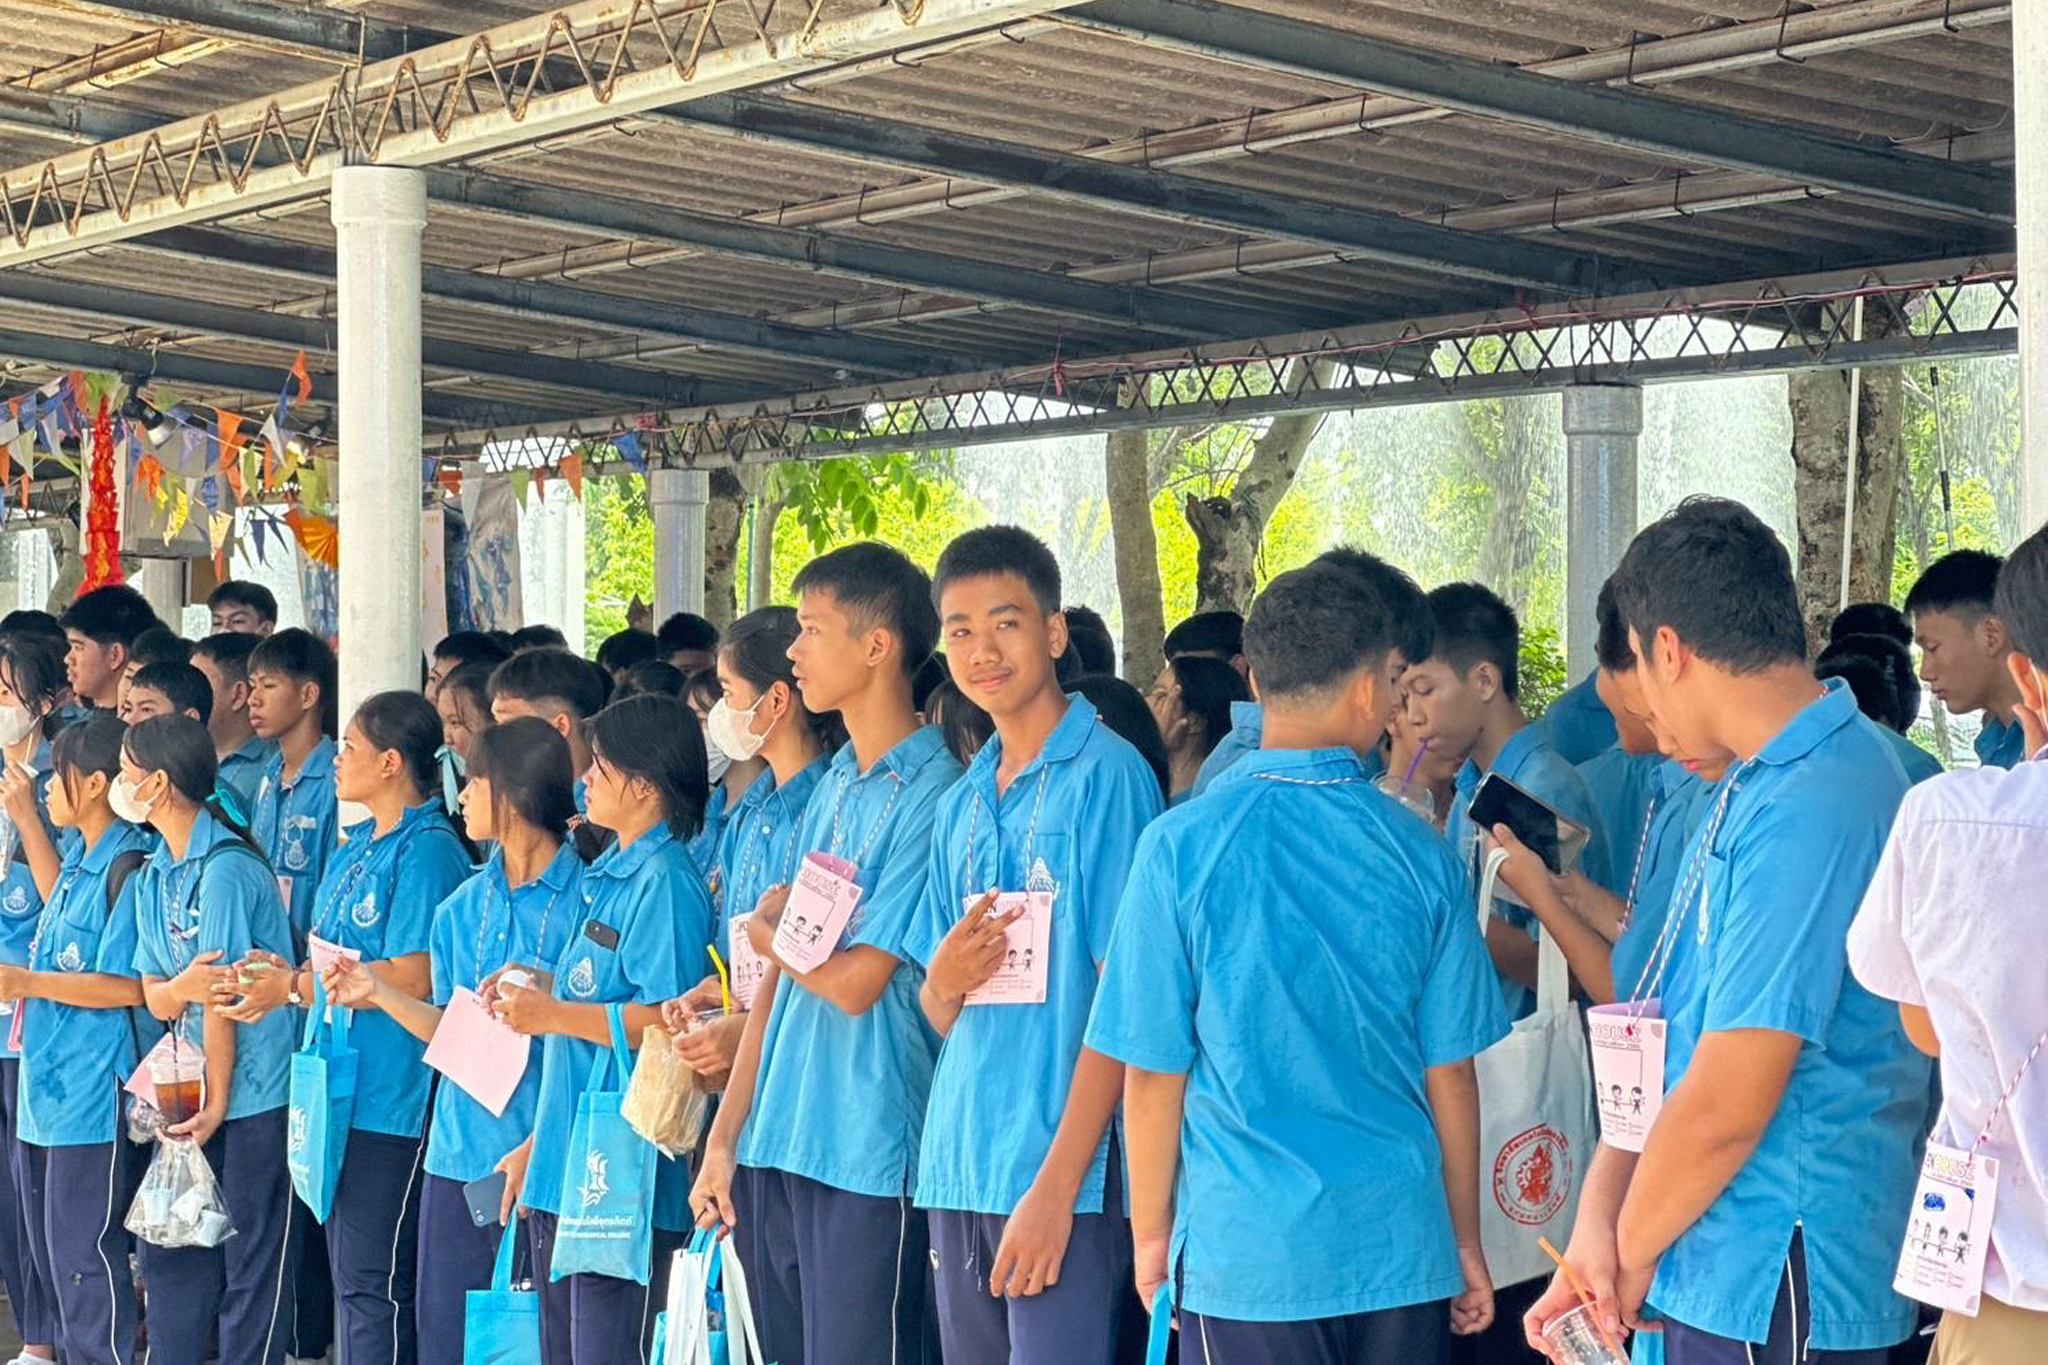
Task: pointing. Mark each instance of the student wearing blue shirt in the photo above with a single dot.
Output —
(244, 755)
(1963, 649)
(1580, 725)
(1762, 1219)
(292, 819)
(555, 686)
(1029, 1245)
(100, 629)
(638, 939)
(1300, 1101)
(77, 994)
(730, 777)
(377, 900)
(1865, 677)
(203, 900)
(826, 1104)
(519, 907)
(759, 718)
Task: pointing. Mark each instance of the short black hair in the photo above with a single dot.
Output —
(303, 657)
(1220, 633)
(1717, 576)
(990, 550)
(536, 675)
(930, 674)
(159, 645)
(114, 614)
(1475, 626)
(1122, 708)
(1089, 643)
(472, 646)
(1313, 627)
(184, 686)
(624, 648)
(31, 622)
(229, 650)
(1207, 689)
(1962, 583)
(961, 720)
(686, 631)
(2022, 599)
(1611, 649)
(1414, 626)
(654, 675)
(655, 738)
(1867, 683)
(1871, 618)
(877, 585)
(538, 637)
(1892, 665)
(240, 592)
(474, 681)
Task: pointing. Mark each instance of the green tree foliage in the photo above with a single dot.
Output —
(832, 500)
(619, 536)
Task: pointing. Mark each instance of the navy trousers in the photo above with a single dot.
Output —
(596, 1319)
(312, 1287)
(837, 1278)
(79, 1197)
(373, 1248)
(1418, 1334)
(240, 1287)
(455, 1257)
(33, 1298)
(1791, 1324)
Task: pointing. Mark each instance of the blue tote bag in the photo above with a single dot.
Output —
(323, 1101)
(501, 1325)
(607, 1222)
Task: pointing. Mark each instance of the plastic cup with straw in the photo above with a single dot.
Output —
(724, 979)
(1591, 1304)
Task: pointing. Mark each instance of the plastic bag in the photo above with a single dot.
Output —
(179, 1204)
(709, 1316)
(663, 1102)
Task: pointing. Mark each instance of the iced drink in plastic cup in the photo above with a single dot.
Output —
(1410, 794)
(1576, 1339)
(180, 1081)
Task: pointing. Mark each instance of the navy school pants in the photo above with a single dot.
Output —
(455, 1257)
(1791, 1325)
(373, 1248)
(78, 1198)
(1418, 1334)
(596, 1319)
(30, 1294)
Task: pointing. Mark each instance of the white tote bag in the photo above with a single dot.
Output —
(688, 1334)
(1536, 1126)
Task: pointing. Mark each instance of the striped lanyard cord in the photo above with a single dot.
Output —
(1692, 890)
(846, 779)
(1991, 1119)
(58, 894)
(1030, 835)
(759, 838)
(1635, 875)
(540, 941)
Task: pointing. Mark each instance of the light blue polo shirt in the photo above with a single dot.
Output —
(295, 825)
(74, 1059)
(1621, 785)
(703, 845)
(841, 1098)
(1073, 815)
(1682, 801)
(2000, 743)
(219, 897)
(378, 897)
(482, 926)
(242, 770)
(1767, 949)
(20, 902)
(1578, 724)
(758, 848)
(650, 894)
(1918, 763)
(1247, 728)
(1305, 1010)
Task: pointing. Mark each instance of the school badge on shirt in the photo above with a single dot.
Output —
(583, 978)
(71, 959)
(17, 900)
(365, 911)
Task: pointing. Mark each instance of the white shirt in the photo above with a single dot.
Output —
(1956, 920)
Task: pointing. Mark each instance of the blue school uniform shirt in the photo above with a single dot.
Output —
(1766, 948)
(220, 897)
(295, 825)
(1305, 1010)
(483, 925)
(1621, 785)
(703, 845)
(758, 847)
(1918, 763)
(650, 894)
(2000, 743)
(74, 1059)
(20, 901)
(1070, 819)
(1679, 802)
(242, 770)
(841, 1098)
(1247, 729)
(378, 897)
(1578, 724)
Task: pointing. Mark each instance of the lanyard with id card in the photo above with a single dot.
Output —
(1948, 1231)
(1629, 1038)
(825, 894)
(1022, 972)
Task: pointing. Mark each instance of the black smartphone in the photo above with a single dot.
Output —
(485, 1198)
(603, 935)
(1555, 839)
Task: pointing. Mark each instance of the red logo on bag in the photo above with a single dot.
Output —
(1533, 1175)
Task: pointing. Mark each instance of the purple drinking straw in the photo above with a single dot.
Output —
(1413, 764)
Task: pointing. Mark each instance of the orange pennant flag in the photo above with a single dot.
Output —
(303, 379)
(572, 470)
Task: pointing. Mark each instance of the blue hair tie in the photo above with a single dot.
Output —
(451, 778)
(225, 799)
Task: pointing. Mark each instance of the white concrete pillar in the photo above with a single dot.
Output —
(162, 582)
(379, 213)
(677, 498)
(1601, 424)
(2030, 173)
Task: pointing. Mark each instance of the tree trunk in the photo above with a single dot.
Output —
(1820, 465)
(1229, 530)
(1128, 488)
(1508, 553)
(725, 515)
(761, 551)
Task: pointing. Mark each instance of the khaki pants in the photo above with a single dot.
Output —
(1998, 1335)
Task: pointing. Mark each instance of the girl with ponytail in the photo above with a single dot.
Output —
(206, 898)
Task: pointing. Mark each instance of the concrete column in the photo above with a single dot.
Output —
(162, 581)
(379, 213)
(1601, 424)
(2030, 174)
(677, 498)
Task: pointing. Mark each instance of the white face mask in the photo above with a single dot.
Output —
(714, 756)
(15, 724)
(121, 796)
(731, 731)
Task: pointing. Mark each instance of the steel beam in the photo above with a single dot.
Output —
(1363, 234)
(650, 387)
(1121, 305)
(1618, 117)
(299, 31)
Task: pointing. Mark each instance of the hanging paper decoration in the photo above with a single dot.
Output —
(572, 470)
(632, 450)
(492, 562)
(102, 508)
(317, 536)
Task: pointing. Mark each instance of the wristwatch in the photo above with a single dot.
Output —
(293, 995)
